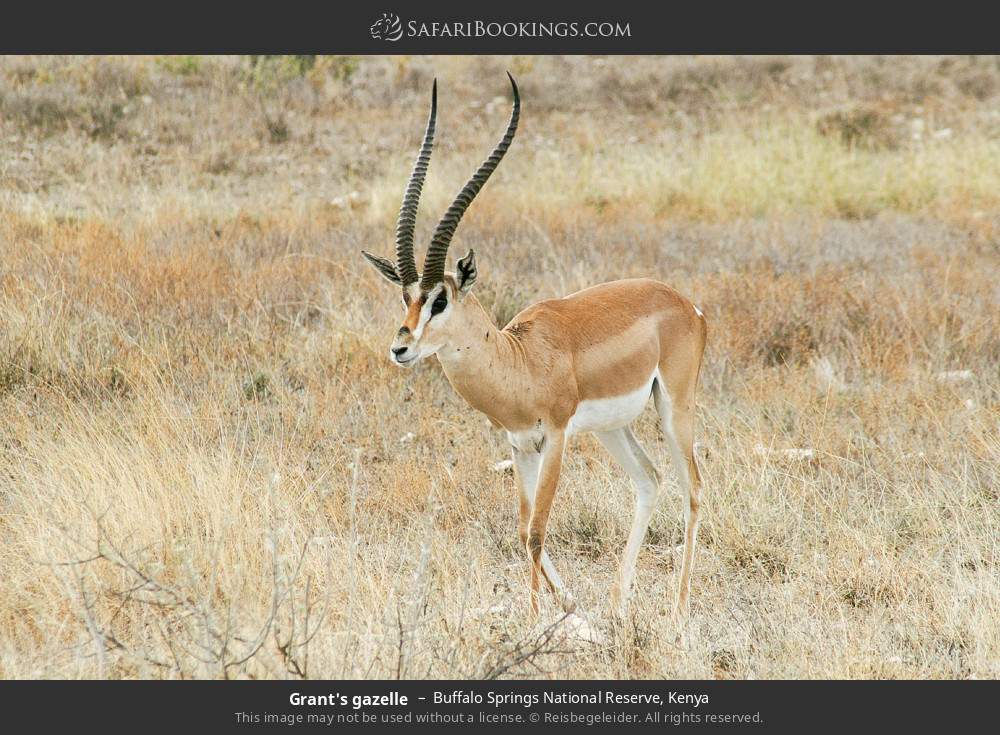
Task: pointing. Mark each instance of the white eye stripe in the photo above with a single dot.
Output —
(427, 307)
(425, 316)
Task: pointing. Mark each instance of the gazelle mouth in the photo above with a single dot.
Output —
(407, 361)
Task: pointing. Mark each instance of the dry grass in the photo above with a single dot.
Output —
(204, 454)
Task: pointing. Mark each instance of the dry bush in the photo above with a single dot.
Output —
(864, 126)
(210, 469)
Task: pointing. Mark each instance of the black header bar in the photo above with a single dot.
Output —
(511, 27)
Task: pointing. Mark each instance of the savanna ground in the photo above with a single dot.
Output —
(208, 467)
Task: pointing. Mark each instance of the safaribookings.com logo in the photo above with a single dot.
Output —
(387, 28)
(390, 28)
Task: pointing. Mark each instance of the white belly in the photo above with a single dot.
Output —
(605, 414)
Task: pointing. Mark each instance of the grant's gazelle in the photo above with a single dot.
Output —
(586, 362)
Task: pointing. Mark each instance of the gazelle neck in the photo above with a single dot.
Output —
(482, 363)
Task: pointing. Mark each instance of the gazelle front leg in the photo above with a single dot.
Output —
(545, 492)
(527, 463)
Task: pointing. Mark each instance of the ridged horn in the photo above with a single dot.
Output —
(406, 264)
(438, 250)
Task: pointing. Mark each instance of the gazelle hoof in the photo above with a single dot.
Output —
(679, 618)
(566, 602)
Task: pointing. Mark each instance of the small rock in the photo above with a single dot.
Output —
(826, 376)
(345, 201)
(799, 454)
(578, 627)
(480, 613)
(954, 376)
(407, 437)
(796, 454)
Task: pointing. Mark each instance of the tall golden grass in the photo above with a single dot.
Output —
(210, 469)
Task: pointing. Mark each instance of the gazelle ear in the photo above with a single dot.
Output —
(465, 272)
(387, 269)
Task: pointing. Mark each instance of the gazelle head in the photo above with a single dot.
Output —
(434, 300)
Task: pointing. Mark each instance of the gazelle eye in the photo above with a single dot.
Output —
(439, 304)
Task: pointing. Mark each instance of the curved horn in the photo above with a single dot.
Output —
(406, 265)
(438, 250)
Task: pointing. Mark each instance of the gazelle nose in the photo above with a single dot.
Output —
(397, 351)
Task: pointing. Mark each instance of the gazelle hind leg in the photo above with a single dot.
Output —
(677, 422)
(625, 448)
(527, 466)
